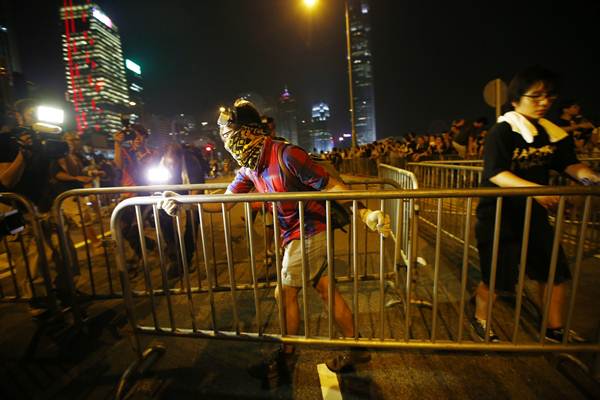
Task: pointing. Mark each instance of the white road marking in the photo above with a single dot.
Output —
(330, 387)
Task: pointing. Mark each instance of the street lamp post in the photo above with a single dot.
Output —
(349, 57)
(312, 4)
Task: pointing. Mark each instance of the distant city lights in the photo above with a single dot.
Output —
(133, 66)
(100, 16)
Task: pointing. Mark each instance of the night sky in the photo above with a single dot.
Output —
(431, 59)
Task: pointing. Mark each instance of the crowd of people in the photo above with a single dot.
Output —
(463, 139)
(519, 150)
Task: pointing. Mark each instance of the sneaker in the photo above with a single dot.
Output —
(556, 335)
(276, 370)
(346, 361)
(479, 325)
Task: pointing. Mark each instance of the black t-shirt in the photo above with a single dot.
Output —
(506, 150)
(35, 181)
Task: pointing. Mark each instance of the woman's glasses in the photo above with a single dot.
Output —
(539, 97)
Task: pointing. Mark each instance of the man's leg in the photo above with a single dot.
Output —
(341, 312)
(292, 312)
(482, 299)
(557, 303)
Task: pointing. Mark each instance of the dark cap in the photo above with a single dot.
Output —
(246, 113)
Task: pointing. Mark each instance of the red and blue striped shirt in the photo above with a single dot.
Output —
(270, 178)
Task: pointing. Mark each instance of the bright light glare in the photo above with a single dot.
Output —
(50, 114)
(310, 3)
(158, 174)
(133, 66)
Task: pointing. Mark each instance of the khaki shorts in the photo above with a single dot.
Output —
(316, 256)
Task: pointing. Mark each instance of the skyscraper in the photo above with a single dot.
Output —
(136, 89)
(94, 66)
(362, 71)
(319, 129)
(286, 123)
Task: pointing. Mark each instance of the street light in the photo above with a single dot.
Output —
(311, 4)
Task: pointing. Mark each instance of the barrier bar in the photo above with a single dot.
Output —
(522, 267)
(355, 264)
(381, 281)
(279, 297)
(305, 270)
(148, 281)
(553, 267)
(494, 269)
(330, 270)
(229, 250)
(161, 258)
(577, 272)
(105, 250)
(253, 265)
(436, 270)
(211, 282)
(465, 269)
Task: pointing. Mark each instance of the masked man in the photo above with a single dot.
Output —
(269, 166)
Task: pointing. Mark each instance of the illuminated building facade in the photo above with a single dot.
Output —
(318, 129)
(286, 124)
(133, 72)
(362, 71)
(95, 71)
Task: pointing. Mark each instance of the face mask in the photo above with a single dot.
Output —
(245, 144)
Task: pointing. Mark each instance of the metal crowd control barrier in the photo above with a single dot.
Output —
(24, 261)
(83, 218)
(240, 311)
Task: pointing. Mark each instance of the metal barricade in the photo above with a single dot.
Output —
(240, 311)
(83, 217)
(24, 254)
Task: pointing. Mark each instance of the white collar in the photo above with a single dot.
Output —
(528, 131)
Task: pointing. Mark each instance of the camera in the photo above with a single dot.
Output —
(44, 140)
(11, 223)
(126, 124)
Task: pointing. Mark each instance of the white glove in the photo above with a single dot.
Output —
(169, 203)
(376, 221)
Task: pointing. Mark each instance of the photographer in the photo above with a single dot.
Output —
(25, 159)
(133, 158)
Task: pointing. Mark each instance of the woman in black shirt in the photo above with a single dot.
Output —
(520, 150)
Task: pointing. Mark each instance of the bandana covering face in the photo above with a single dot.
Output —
(245, 144)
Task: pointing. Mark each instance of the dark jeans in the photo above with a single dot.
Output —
(169, 230)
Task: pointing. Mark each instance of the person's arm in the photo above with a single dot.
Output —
(119, 137)
(582, 172)
(63, 175)
(11, 173)
(508, 179)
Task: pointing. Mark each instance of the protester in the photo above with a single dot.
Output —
(573, 122)
(520, 151)
(184, 168)
(74, 172)
(25, 169)
(263, 161)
